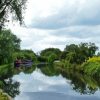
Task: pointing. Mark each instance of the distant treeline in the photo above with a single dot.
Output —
(80, 57)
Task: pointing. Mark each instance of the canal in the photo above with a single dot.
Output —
(46, 83)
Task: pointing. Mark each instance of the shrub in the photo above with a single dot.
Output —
(92, 67)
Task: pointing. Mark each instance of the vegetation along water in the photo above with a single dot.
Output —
(79, 64)
(72, 74)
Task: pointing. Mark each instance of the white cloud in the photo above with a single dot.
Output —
(41, 9)
(39, 82)
(56, 23)
(73, 12)
(39, 39)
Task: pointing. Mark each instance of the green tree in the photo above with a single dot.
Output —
(47, 52)
(72, 53)
(52, 58)
(79, 53)
(9, 43)
(92, 49)
(88, 49)
(25, 54)
(14, 7)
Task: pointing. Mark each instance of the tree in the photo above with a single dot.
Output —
(14, 7)
(47, 52)
(79, 53)
(25, 54)
(71, 53)
(52, 58)
(92, 49)
(88, 49)
(71, 47)
(9, 43)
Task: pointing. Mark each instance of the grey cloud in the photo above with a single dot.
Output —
(38, 40)
(81, 32)
(78, 14)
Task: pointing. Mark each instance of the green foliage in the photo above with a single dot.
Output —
(11, 87)
(6, 71)
(9, 43)
(50, 51)
(60, 64)
(77, 54)
(63, 65)
(29, 70)
(42, 59)
(49, 70)
(4, 96)
(14, 7)
(92, 67)
(52, 58)
(94, 59)
(25, 54)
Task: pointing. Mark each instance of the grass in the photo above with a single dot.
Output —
(4, 96)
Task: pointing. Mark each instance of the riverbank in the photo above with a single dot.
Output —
(91, 67)
(6, 70)
(4, 96)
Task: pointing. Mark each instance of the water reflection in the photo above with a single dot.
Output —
(36, 82)
(46, 81)
(52, 96)
(80, 83)
(7, 84)
(11, 87)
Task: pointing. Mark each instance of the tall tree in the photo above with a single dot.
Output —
(79, 53)
(9, 43)
(14, 7)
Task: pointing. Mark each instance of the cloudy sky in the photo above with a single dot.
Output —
(56, 23)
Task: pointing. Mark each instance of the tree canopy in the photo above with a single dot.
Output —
(13, 7)
(25, 54)
(51, 51)
(79, 53)
(9, 43)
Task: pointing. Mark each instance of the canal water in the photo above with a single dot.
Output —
(47, 84)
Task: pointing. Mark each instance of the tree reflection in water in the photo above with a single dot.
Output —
(11, 87)
(80, 83)
(7, 84)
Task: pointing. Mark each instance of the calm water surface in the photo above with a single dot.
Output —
(39, 86)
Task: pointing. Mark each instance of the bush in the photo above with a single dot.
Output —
(92, 67)
(4, 96)
(94, 59)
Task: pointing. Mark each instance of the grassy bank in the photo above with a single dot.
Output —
(4, 96)
(91, 67)
(65, 66)
(6, 70)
